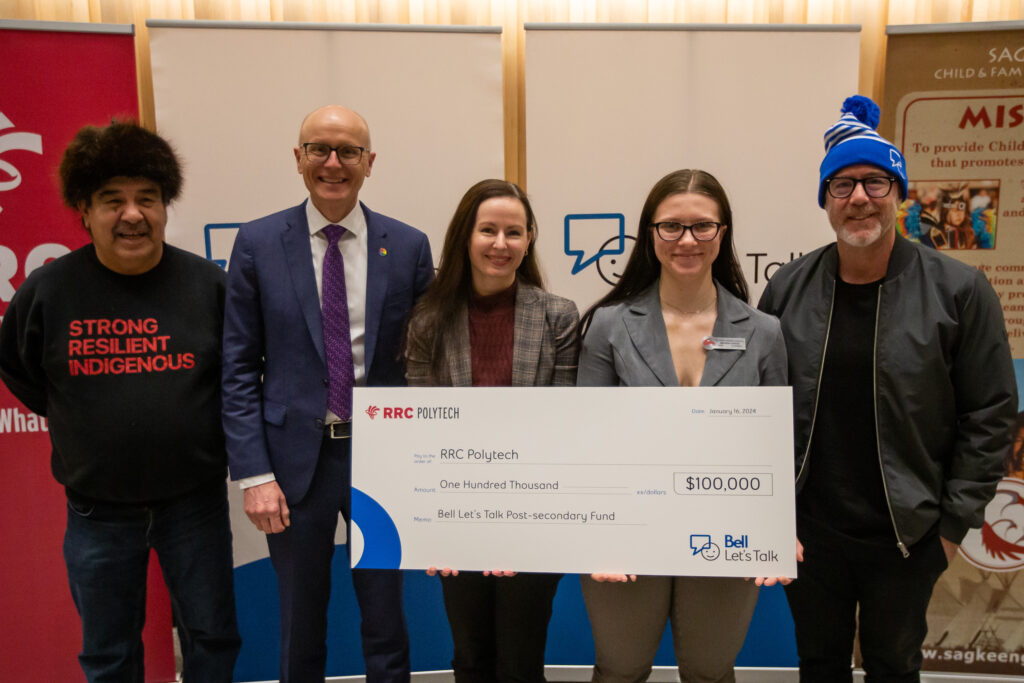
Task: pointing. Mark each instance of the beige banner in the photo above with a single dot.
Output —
(954, 104)
(610, 110)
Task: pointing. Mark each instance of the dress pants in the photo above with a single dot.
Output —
(499, 625)
(841, 582)
(301, 556)
(709, 619)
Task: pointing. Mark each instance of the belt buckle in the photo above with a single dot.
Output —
(339, 430)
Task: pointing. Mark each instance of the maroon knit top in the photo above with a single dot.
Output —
(491, 325)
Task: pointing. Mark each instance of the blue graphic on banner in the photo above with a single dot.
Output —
(610, 266)
(220, 237)
(769, 640)
(382, 548)
(259, 621)
(585, 231)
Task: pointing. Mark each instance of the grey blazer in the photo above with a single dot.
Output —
(626, 344)
(544, 345)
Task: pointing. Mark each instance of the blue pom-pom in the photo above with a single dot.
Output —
(863, 108)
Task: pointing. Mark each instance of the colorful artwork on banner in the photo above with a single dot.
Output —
(952, 214)
(54, 82)
(954, 104)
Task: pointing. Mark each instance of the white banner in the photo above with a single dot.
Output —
(231, 96)
(611, 109)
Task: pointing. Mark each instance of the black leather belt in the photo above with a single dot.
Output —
(339, 430)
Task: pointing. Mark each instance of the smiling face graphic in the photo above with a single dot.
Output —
(610, 266)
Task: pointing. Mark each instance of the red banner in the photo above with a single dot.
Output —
(56, 78)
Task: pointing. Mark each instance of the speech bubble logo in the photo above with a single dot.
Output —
(586, 237)
(611, 266)
(220, 238)
(699, 542)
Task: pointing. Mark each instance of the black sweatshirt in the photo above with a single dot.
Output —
(127, 370)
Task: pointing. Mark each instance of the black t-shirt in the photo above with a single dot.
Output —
(844, 489)
(127, 370)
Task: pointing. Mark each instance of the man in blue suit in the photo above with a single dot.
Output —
(301, 327)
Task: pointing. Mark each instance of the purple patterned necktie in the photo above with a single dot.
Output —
(337, 339)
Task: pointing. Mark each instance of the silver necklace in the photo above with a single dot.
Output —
(702, 310)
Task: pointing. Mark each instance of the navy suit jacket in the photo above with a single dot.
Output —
(275, 371)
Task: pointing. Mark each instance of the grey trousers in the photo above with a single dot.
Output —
(709, 619)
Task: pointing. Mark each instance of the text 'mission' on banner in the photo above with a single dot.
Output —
(954, 104)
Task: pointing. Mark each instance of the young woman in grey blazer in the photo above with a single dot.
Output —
(487, 321)
(677, 317)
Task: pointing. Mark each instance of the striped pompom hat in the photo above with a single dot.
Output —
(852, 140)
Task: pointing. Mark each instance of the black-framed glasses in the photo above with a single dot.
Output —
(319, 153)
(670, 231)
(875, 187)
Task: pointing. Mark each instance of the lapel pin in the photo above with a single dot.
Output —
(383, 251)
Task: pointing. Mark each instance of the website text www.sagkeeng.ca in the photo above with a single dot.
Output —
(971, 655)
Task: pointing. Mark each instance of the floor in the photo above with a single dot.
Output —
(581, 674)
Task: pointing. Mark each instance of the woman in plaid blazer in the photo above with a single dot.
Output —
(487, 321)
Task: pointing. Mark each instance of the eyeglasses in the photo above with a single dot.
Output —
(319, 153)
(670, 231)
(875, 187)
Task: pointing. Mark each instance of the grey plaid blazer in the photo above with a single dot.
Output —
(544, 346)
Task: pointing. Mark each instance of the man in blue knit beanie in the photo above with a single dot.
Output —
(903, 394)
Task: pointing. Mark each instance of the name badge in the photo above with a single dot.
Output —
(724, 343)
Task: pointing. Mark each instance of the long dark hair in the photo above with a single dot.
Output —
(643, 267)
(433, 318)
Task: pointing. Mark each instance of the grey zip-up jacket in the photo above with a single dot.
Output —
(945, 394)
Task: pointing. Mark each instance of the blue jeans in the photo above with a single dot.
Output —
(106, 549)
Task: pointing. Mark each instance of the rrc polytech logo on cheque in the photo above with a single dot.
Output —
(413, 412)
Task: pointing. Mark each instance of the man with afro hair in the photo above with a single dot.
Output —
(117, 344)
